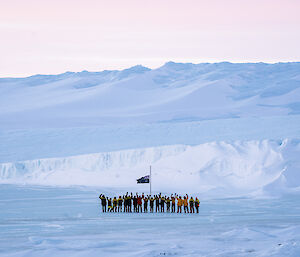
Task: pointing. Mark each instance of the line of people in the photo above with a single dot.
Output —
(140, 203)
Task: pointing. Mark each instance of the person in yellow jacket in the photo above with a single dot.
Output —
(109, 205)
(185, 204)
(151, 203)
(197, 203)
(115, 204)
(191, 201)
(173, 198)
(179, 204)
(120, 204)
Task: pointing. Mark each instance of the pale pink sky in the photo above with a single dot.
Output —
(54, 36)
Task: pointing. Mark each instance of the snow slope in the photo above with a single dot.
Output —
(172, 92)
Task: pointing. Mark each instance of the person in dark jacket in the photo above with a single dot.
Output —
(191, 201)
(103, 202)
(197, 203)
(151, 204)
(168, 202)
(135, 204)
(130, 202)
(162, 204)
(146, 204)
(125, 198)
(157, 203)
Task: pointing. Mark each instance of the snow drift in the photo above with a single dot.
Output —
(218, 168)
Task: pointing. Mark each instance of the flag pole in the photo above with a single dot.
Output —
(150, 179)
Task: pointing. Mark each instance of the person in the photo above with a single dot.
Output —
(179, 204)
(192, 210)
(115, 204)
(151, 204)
(120, 203)
(125, 199)
(156, 203)
(146, 204)
(139, 203)
(173, 202)
(103, 202)
(168, 201)
(162, 204)
(197, 203)
(135, 203)
(185, 204)
(110, 209)
(130, 202)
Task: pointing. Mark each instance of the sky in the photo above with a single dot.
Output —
(55, 36)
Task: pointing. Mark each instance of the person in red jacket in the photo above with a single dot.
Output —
(139, 203)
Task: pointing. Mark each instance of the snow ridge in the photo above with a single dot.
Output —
(172, 92)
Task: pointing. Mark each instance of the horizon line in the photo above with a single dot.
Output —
(141, 65)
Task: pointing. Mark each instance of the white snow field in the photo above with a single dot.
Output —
(227, 133)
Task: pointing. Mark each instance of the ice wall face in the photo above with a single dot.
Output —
(221, 169)
(94, 169)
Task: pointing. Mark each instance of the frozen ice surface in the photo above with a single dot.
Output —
(48, 221)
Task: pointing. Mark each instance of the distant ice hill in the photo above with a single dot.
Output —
(92, 114)
(174, 92)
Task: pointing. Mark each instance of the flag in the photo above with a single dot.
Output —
(145, 179)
